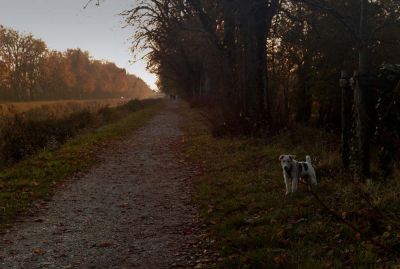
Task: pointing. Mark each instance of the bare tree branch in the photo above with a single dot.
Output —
(327, 8)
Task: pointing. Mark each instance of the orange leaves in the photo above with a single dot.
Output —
(29, 71)
(104, 244)
(358, 236)
(39, 251)
(280, 260)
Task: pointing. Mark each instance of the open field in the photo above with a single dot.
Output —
(56, 108)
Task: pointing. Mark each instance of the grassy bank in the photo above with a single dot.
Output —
(35, 177)
(241, 195)
(40, 109)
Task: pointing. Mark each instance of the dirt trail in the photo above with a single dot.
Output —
(133, 210)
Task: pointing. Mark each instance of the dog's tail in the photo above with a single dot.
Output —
(308, 159)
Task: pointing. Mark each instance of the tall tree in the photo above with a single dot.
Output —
(22, 55)
(363, 34)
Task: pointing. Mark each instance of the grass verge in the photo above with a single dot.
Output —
(35, 177)
(241, 196)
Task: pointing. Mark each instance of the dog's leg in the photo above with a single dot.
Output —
(295, 182)
(287, 182)
(313, 178)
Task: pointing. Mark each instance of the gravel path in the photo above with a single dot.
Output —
(133, 210)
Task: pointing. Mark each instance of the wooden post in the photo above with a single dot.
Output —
(364, 123)
(344, 83)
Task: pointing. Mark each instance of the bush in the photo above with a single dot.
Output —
(22, 136)
(136, 105)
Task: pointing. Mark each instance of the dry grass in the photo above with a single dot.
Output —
(27, 133)
(56, 109)
(35, 177)
(241, 195)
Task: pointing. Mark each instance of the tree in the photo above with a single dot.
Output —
(57, 77)
(22, 55)
(363, 34)
(28, 71)
(199, 44)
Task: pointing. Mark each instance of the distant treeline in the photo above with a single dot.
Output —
(30, 71)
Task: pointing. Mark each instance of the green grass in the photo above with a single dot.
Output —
(35, 178)
(241, 196)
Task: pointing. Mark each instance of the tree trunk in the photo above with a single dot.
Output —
(246, 64)
(261, 67)
(286, 100)
(261, 62)
(362, 96)
(230, 87)
(254, 21)
(229, 28)
(303, 113)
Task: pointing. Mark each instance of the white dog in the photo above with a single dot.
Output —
(294, 170)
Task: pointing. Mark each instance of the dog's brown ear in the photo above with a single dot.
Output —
(281, 157)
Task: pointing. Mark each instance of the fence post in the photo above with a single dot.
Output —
(345, 85)
(364, 102)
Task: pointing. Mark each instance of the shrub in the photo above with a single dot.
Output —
(22, 135)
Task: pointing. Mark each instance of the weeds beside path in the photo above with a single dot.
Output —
(35, 177)
(241, 196)
(131, 210)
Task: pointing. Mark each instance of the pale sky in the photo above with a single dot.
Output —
(64, 24)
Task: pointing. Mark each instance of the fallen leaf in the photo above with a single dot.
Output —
(280, 259)
(358, 236)
(104, 244)
(39, 251)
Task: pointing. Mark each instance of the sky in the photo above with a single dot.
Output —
(64, 24)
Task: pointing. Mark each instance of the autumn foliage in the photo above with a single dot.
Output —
(30, 71)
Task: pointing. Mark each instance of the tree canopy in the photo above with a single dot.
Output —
(30, 71)
(262, 65)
